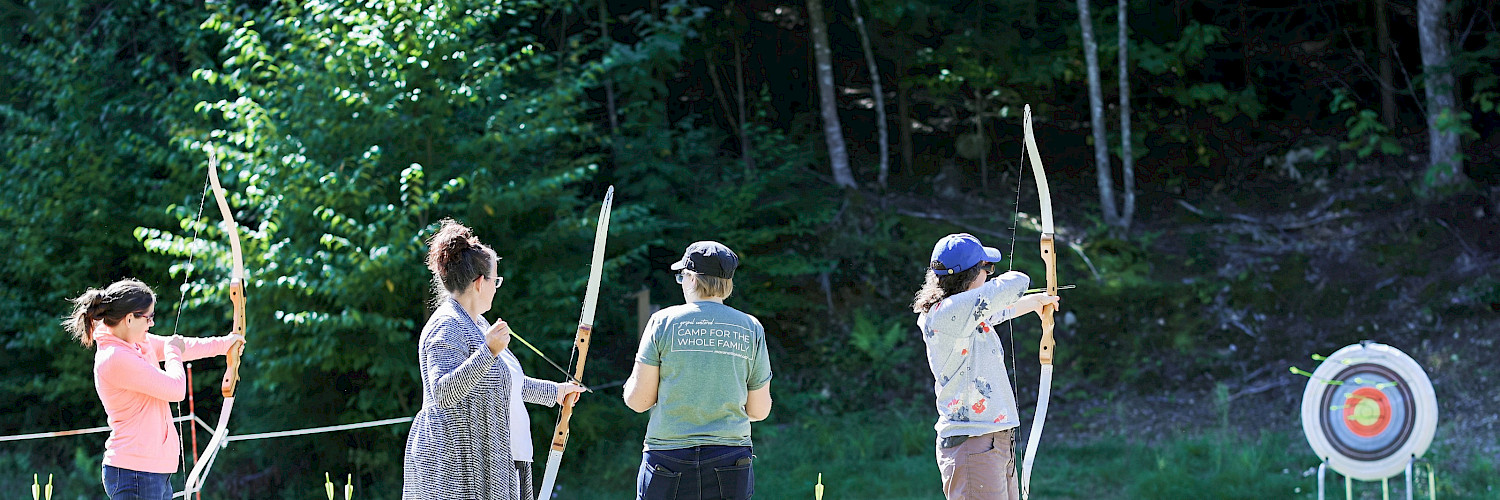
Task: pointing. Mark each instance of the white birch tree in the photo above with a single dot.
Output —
(1127, 156)
(877, 92)
(1444, 158)
(1096, 115)
(833, 131)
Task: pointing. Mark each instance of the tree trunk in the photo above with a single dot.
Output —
(609, 86)
(1127, 156)
(903, 116)
(736, 120)
(1387, 83)
(1096, 113)
(833, 131)
(1444, 161)
(1246, 64)
(739, 89)
(984, 146)
(879, 94)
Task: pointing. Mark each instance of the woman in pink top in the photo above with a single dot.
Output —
(143, 449)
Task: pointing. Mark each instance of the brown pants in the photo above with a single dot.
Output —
(982, 468)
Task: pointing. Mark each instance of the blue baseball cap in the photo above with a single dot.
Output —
(956, 253)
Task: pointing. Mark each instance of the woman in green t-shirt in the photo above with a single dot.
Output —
(703, 370)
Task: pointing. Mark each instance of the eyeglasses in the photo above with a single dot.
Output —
(681, 276)
(146, 316)
(499, 280)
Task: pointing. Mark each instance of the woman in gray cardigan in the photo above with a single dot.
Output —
(471, 440)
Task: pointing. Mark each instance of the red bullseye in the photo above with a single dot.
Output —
(1367, 412)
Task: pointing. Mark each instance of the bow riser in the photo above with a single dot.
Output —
(232, 358)
(1050, 259)
(581, 343)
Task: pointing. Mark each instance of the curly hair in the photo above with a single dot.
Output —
(109, 305)
(456, 257)
(936, 288)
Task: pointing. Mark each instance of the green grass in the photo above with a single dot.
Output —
(74, 462)
(889, 455)
(869, 455)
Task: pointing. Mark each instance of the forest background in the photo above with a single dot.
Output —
(1277, 195)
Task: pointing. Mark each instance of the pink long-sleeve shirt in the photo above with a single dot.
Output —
(135, 390)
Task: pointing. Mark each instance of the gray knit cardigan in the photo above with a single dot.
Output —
(459, 446)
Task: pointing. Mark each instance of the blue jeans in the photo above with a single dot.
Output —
(126, 484)
(697, 473)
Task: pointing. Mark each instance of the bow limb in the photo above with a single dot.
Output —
(231, 379)
(195, 478)
(236, 281)
(1045, 350)
(580, 344)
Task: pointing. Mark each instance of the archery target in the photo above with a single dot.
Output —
(1367, 410)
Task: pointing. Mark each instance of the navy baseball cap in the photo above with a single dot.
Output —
(709, 258)
(956, 253)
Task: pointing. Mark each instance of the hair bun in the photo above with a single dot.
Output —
(455, 239)
(456, 257)
(449, 244)
(458, 236)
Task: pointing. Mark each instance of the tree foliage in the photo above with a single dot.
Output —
(347, 129)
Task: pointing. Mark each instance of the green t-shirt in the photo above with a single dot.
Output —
(711, 356)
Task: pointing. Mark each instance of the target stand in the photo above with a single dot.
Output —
(1369, 412)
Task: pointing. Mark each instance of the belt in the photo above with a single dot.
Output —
(951, 441)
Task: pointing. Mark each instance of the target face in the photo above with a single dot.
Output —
(1368, 410)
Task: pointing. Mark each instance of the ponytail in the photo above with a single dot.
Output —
(86, 310)
(109, 305)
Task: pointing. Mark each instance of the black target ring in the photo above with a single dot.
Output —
(1331, 419)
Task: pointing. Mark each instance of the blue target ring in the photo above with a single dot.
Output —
(1393, 418)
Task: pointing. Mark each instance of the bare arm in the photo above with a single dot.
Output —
(640, 388)
(758, 403)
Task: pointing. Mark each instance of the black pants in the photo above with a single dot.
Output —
(696, 473)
